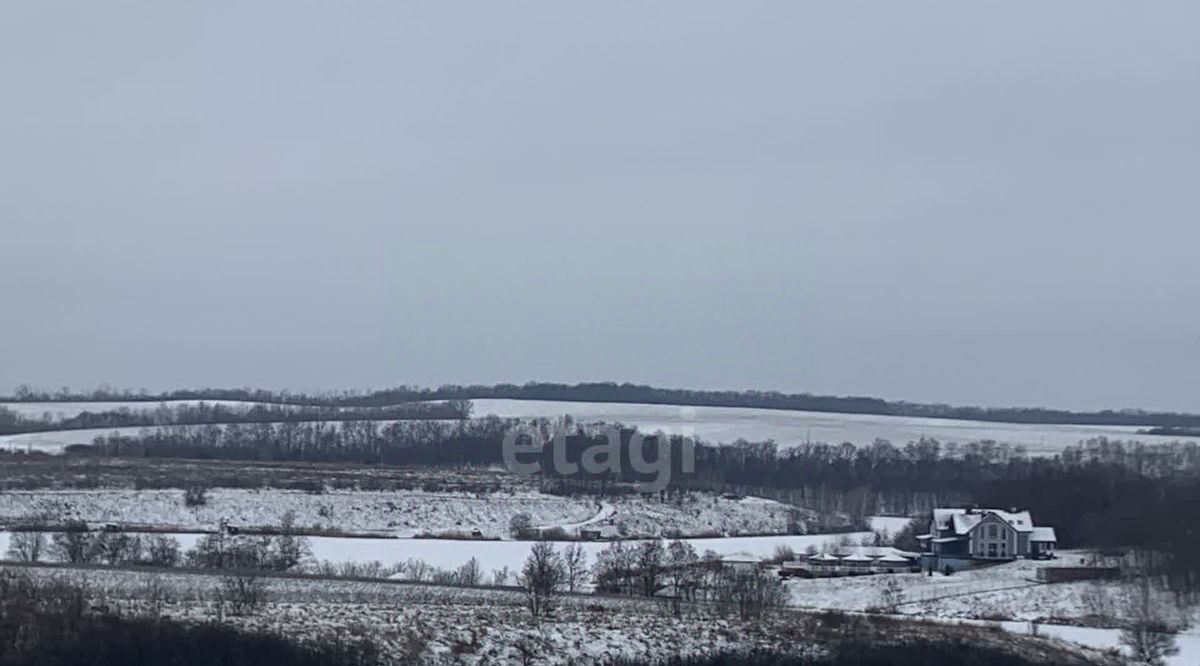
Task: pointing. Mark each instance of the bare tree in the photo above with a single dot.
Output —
(27, 546)
(542, 579)
(500, 576)
(575, 561)
(288, 550)
(116, 548)
(75, 546)
(682, 569)
(613, 571)
(418, 570)
(162, 551)
(650, 565)
(1148, 634)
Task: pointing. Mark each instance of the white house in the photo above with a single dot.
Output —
(987, 534)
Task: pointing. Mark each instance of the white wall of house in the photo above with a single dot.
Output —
(993, 538)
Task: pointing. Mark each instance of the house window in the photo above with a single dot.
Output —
(991, 550)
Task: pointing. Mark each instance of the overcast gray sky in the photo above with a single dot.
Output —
(980, 203)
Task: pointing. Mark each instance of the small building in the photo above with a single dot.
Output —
(1042, 541)
(741, 562)
(857, 564)
(824, 564)
(859, 561)
(894, 564)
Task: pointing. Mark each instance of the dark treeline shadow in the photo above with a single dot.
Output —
(11, 422)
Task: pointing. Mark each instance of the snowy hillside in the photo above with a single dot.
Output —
(789, 428)
(405, 513)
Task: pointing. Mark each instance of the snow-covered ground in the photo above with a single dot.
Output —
(406, 513)
(1003, 592)
(439, 625)
(481, 625)
(1007, 594)
(789, 428)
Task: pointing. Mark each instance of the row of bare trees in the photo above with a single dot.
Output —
(79, 546)
(12, 421)
(647, 568)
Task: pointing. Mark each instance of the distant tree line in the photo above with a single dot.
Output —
(12, 422)
(613, 392)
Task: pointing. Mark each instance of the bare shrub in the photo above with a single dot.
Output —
(749, 593)
(242, 593)
(891, 593)
(195, 495)
(521, 526)
(156, 594)
(783, 553)
(529, 646)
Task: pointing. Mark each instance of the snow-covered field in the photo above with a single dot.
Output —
(405, 513)
(481, 626)
(439, 625)
(789, 428)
